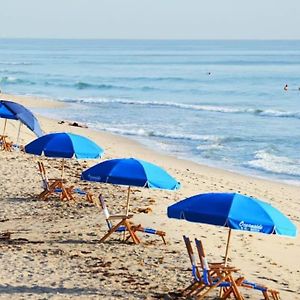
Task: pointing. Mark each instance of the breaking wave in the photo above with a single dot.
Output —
(267, 161)
(130, 130)
(17, 63)
(196, 107)
(14, 80)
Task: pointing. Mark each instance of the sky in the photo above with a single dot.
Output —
(150, 19)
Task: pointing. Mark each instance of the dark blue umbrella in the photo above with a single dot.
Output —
(131, 172)
(5, 113)
(235, 211)
(64, 145)
(15, 111)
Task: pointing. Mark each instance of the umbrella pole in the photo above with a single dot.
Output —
(19, 131)
(227, 247)
(127, 209)
(5, 122)
(62, 168)
(127, 204)
(226, 257)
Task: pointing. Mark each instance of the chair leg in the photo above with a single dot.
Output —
(163, 238)
(132, 233)
(266, 295)
(234, 288)
(89, 197)
(112, 230)
(127, 225)
(66, 193)
(191, 289)
(229, 291)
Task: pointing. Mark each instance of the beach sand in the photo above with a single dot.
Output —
(54, 250)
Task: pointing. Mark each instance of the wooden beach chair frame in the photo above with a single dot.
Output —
(57, 186)
(207, 278)
(125, 225)
(53, 186)
(240, 281)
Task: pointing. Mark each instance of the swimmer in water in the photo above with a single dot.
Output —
(286, 87)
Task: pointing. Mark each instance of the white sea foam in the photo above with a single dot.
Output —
(131, 129)
(16, 63)
(196, 107)
(14, 80)
(267, 161)
(209, 147)
(278, 113)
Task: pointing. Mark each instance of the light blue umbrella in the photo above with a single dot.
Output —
(131, 172)
(64, 145)
(235, 211)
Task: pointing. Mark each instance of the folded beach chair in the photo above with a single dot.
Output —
(206, 278)
(56, 185)
(124, 225)
(240, 281)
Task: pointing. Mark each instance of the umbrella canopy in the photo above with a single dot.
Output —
(64, 145)
(131, 172)
(235, 211)
(5, 113)
(15, 111)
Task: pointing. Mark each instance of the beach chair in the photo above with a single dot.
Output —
(207, 278)
(57, 185)
(195, 270)
(125, 225)
(240, 281)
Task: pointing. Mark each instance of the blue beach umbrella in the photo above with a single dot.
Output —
(64, 145)
(234, 211)
(131, 172)
(15, 111)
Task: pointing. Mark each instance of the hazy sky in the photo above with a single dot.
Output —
(151, 19)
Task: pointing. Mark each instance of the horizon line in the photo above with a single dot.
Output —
(150, 39)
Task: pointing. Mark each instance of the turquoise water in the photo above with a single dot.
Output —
(220, 103)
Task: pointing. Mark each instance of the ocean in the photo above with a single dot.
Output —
(218, 103)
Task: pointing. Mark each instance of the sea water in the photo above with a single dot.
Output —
(219, 103)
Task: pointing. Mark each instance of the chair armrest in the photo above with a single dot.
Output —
(58, 179)
(221, 268)
(120, 217)
(215, 264)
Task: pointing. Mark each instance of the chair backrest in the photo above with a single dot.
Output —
(42, 171)
(192, 257)
(100, 203)
(204, 264)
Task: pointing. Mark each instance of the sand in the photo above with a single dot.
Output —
(54, 250)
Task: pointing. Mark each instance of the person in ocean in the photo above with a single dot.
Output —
(286, 87)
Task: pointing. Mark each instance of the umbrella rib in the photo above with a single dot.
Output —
(226, 224)
(8, 108)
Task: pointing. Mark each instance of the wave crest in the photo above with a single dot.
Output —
(267, 161)
(14, 80)
(196, 107)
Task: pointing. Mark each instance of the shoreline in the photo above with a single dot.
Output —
(64, 237)
(44, 103)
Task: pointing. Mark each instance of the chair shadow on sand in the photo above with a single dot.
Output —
(36, 289)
